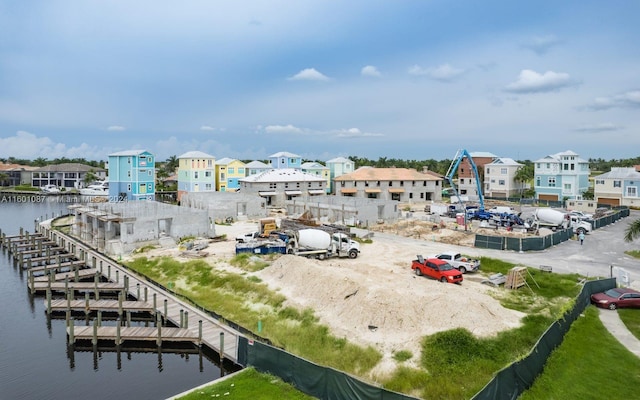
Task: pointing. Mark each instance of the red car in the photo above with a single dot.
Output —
(617, 298)
(436, 269)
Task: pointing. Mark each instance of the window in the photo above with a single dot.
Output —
(567, 187)
(552, 182)
(272, 185)
(129, 174)
(209, 163)
(222, 176)
(573, 167)
(241, 171)
(231, 170)
(207, 174)
(548, 165)
(286, 185)
(565, 167)
(501, 182)
(617, 183)
(538, 181)
(503, 171)
(342, 183)
(632, 191)
(366, 183)
(599, 181)
(195, 174)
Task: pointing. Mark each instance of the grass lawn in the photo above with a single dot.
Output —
(631, 318)
(590, 364)
(248, 384)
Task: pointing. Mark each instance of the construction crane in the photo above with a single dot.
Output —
(453, 168)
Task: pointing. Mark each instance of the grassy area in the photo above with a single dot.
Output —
(249, 384)
(633, 253)
(453, 364)
(631, 318)
(250, 303)
(590, 364)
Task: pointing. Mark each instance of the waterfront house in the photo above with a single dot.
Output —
(285, 159)
(66, 176)
(131, 175)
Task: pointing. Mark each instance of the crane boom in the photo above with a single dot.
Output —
(453, 168)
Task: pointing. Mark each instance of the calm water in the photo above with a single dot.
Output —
(35, 362)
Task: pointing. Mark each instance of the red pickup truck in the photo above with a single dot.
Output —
(436, 269)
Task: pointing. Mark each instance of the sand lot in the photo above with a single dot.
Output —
(375, 299)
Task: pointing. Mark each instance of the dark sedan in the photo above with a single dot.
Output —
(617, 298)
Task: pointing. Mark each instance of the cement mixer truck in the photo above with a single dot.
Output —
(554, 219)
(316, 243)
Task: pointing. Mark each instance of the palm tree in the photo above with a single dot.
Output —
(524, 174)
(633, 231)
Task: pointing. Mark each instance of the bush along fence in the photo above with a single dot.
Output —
(543, 242)
(512, 381)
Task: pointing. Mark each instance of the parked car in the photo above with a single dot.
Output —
(581, 215)
(247, 237)
(617, 298)
(458, 261)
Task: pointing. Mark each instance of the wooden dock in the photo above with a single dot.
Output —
(109, 275)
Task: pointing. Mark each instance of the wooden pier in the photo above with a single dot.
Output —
(75, 262)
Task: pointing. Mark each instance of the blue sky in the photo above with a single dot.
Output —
(321, 79)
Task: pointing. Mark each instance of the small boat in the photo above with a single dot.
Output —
(50, 189)
(98, 188)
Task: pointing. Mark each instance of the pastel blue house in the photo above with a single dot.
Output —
(132, 175)
(256, 167)
(561, 176)
(285, 159)
(337, 167)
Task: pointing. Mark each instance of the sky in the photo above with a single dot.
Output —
(406, 79)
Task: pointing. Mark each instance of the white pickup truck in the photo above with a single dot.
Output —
(459, 262)
(247, 237)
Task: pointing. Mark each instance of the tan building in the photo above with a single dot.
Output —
(399, 184)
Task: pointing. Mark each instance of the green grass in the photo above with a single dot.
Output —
(249, 262)
(248, 384)
(590, 364)
(631, 318)
(249, 303)
(633, 253)
(402, 355)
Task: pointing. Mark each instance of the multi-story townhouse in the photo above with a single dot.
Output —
(285, 159)
(337, 167)
(196, 172)
(278, 185)
(132, 175)
(499, 178)
(618, 187)
(315, 168)
(400, 184)
(67, 175)
(561, 176)
(228, 172)
(467, 184)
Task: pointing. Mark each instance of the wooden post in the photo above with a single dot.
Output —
(146, 294)
(159, 339)
(108, 271)
(138, 291)
(48, 301)
(166, 311)
(72, 337)
(221, 347)
(94, 341)
(86, 302)
(155, 302)
(120, 296)
(95, 285)
(128, 319)
(99, 318)
(181, 318)
(117, 276)
(32, 282)
(118, 340)
(199, 333)
(186, 319)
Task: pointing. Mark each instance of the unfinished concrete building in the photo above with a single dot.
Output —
(119, 228)
(227, 205)
(355, 211)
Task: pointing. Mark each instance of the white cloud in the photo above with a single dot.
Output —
(116, 128)
(355, 133)
(370, 71)
(541, 44)
(207, 128)
(309, 74)
(29, 146)
(444, 72)
(604, 127)
(284, 129)
(629, 99)
(532, 82)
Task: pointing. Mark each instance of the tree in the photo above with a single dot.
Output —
(3, 178)
(171, 164)
(632, 232)
(524, 174)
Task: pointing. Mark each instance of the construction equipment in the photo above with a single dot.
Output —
(480, 212)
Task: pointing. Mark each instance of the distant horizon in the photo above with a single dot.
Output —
(244, 79)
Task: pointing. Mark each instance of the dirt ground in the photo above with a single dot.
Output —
(376, 299)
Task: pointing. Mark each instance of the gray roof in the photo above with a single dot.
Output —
(257, 165)
(556, 157)
(620, 173)
(68, 167)
(225, 161)
(504, 161)
(312, 165)
(283, 175)
(484, 154)
(196, 154)
(339, 160)
(284, 154)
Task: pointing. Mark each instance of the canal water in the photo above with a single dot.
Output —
(35, 361)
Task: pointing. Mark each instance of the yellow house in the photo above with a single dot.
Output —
(228, 171)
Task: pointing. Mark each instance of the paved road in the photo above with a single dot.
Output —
(602, 249)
